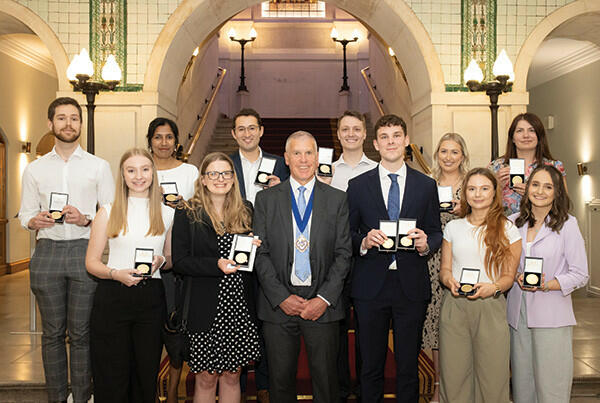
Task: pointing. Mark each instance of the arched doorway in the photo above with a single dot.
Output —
(196, 20)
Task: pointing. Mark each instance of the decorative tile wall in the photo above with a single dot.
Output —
(517, 18)
(146, 19)
(442, 19)
(68, 18)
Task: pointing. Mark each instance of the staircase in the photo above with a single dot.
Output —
(278, 129)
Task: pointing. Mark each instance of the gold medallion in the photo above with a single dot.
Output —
(56, 215)
(388, 243)
(325, 169)
(466, 288)
(516, 180)
(171, 197)
(262, 178)
(241, 258)
(445, 205)
(532, 279)
(406, 241)
(301, 243)
(143, 268)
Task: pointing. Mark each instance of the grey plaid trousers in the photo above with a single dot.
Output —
(64, 292)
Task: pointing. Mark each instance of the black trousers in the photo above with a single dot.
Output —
(283, 348)
(125, 341)
(407, 318)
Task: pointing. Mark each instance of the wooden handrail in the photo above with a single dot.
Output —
(215, 89)
(379, 103)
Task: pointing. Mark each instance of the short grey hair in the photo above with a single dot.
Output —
(298, 134)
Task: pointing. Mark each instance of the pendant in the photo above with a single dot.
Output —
(301, 244)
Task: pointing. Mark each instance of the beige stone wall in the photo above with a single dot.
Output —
(573, 101)
(26, 93)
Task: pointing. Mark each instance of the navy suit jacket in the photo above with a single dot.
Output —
(367, 207)
(281, 170)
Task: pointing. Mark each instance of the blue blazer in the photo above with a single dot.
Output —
(281, 170)
(367, 207)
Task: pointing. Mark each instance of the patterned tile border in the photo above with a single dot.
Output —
(478, 35)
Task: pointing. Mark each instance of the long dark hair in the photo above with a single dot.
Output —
(542, 150)
(559, 213)
(155, 124)
(493, 234)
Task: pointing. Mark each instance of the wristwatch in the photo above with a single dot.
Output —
(87, 217)
(498, 290)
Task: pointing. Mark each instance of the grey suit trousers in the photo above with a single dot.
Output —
(64, 292)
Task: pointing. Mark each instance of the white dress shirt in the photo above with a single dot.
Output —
(84, 177)
(250, 170)
(343, 171)
(386, 183)
(309, 188)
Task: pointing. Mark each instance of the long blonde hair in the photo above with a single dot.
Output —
(493, 233)
(237, 217)
(117, 222)
(436, 171)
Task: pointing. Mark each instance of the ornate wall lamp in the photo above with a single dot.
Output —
(344, 42)
(231, 33)
(80, 72)
(503, 70)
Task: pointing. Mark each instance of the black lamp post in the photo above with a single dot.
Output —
(242, 43)
(79, 73)
(503, 72)
(344, 42)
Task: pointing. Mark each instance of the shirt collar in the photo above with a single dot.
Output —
(383, 173)
(364, 160)
(260, 155)
(309, 186)
(79, 153)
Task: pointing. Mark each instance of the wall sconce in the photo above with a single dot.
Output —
(582, 169)
(26, 147)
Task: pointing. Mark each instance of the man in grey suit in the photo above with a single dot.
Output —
(301, 266)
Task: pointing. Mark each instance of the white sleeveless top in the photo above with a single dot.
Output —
(185, 175)
(121, 253)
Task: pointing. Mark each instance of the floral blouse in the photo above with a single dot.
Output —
(510, 198)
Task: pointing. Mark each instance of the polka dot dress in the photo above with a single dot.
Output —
(232, 341)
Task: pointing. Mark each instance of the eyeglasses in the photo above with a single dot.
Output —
(214, 175)
(252, 129)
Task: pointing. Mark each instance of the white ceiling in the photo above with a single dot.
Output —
(20, 43)
(571, 46)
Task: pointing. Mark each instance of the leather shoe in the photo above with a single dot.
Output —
(262, 396)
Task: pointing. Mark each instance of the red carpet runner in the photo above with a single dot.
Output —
(304, 388)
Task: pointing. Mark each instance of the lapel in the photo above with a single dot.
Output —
(542, 233)
(374, 185)
(318, 214)
(407, 201)
(285, 214)
(239, 171)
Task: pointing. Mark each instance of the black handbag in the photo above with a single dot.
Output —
(176, 322)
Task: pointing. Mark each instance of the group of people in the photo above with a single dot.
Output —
(319, 245)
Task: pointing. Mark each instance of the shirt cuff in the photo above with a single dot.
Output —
(362, 251)
(327, 302)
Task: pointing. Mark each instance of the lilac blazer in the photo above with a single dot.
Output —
(564, 259)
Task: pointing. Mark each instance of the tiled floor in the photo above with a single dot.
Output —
(20, 353)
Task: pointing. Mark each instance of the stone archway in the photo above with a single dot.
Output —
(195, 20)
(541, 31)
(46, 35)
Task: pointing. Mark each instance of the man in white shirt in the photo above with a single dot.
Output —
(63, 288)
(352, 132)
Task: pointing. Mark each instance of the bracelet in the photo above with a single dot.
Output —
(110, 273)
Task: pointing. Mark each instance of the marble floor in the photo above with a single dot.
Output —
(20, 351)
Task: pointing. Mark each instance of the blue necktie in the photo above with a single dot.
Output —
(394, 198)
(302, 259)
